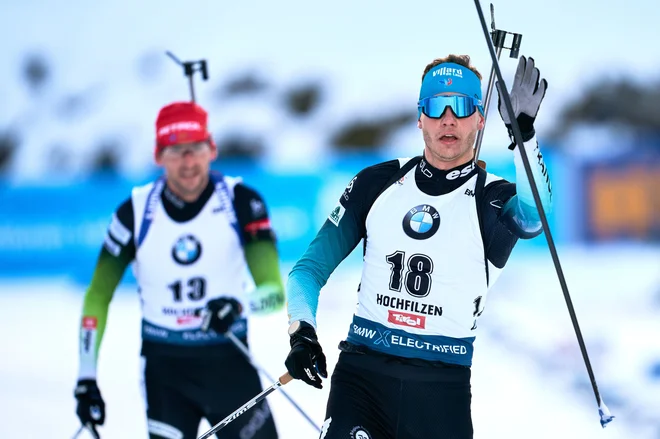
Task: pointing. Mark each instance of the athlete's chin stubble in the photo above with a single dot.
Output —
(446, 157)
(185, 192)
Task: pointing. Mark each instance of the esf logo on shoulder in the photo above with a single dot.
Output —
(186, 250)
(421, 222)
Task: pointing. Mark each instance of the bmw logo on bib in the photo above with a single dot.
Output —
(421, 222)
(186, 250)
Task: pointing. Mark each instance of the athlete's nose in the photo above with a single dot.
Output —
(448, 117)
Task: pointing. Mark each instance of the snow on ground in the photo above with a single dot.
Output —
(529, 380)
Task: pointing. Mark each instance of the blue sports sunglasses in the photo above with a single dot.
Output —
(461, 105)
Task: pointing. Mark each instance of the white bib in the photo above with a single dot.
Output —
(424, 279)
(179, 267)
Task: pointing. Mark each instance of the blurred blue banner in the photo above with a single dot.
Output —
(58, 229)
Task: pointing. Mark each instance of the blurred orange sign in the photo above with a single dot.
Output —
(623, 202)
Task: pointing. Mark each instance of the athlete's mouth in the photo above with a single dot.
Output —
(448, 138)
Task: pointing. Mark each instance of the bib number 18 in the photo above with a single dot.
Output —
(417, 277)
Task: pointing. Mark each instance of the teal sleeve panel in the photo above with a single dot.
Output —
(520, 212)
(336, 239)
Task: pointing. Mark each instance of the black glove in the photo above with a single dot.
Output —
(526, 94)
(91, 408)
(306, 360)
(220, 314)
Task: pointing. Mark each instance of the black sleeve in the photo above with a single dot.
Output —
(498, 239)
(119, 241)
(363, 189)
(252, 215)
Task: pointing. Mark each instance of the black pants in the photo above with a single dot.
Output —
(375, 396)
(180, 391)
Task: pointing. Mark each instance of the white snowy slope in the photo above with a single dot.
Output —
(527, 371)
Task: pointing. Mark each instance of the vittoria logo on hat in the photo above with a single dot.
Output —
(448, 71)
(421, 222)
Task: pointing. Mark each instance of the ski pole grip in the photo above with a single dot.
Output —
(284, 379)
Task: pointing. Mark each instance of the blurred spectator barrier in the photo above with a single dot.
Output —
(56, 229)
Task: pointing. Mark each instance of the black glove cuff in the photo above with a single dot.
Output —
(526, 125)
(86, 388)
(305, 334)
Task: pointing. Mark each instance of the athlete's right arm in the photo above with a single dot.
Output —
(336, 239)
(116, 254)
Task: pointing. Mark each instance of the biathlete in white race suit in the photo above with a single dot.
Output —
(437, 230)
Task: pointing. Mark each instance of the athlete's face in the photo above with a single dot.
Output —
(187, 168)
(449, 140)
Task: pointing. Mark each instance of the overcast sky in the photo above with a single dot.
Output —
(369, 52)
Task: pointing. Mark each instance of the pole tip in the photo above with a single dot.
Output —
(605, 416)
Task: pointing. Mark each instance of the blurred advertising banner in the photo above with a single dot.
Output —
(622, 200)
(57, 229)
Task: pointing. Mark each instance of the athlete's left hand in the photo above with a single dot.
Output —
(91, 407)
(220, 314)
(526, 94)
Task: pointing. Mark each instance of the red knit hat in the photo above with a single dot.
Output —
(181, 122)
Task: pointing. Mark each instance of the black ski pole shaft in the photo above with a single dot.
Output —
(80, 429)
(605, 416)
(89, 428)
(241, 347)
(247, 406)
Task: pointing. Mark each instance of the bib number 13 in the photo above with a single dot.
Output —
(417, 277)
(194, 289)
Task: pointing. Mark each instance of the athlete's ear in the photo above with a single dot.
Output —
(482, 121)
(419, 123)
